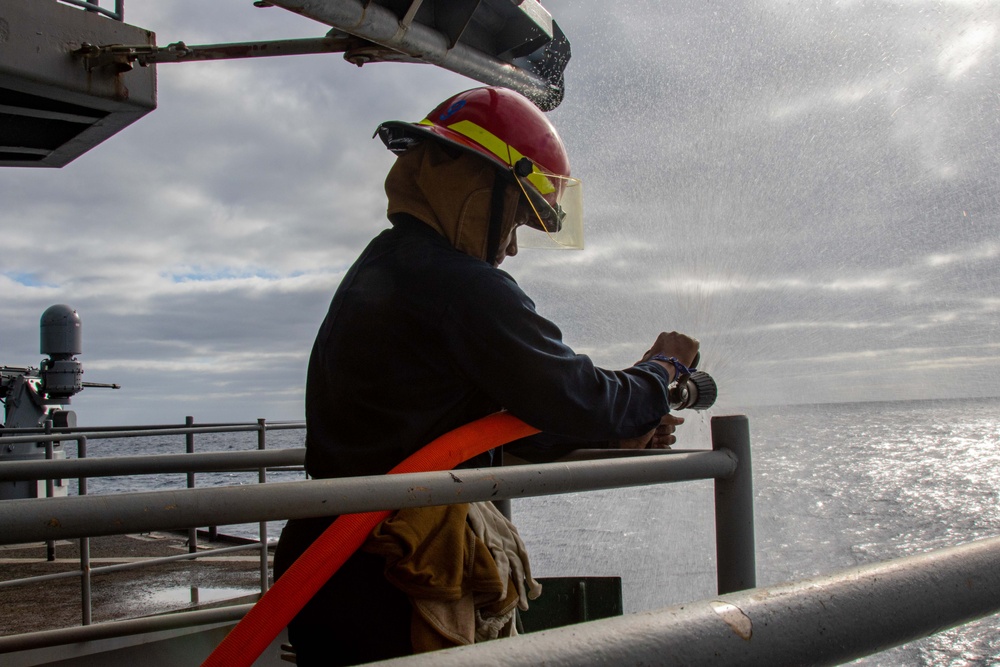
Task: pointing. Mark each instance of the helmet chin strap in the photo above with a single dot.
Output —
(496, 218)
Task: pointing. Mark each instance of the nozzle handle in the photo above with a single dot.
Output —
(697, 391)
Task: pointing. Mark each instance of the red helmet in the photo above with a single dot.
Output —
(504, 127)
(495, 122)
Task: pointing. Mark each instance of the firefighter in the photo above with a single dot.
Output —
(425, 333)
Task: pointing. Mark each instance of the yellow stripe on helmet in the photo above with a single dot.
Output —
(504, 151)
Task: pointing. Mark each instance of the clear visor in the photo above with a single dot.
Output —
(556, 219)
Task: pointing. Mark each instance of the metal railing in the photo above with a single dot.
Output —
(95, 6)
(85, 516)
(825, 620)
(189, 463)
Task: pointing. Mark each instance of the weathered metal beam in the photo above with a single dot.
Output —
(179, 52)
(822, 621)
(79, 516)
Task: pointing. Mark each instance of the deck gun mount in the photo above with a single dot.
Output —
(33, 396)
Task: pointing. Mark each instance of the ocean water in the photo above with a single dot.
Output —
(836, 485)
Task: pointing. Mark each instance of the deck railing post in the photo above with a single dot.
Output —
(262, 478)
(50, 545)
(189, 442)
(734, 528)
(85, 595)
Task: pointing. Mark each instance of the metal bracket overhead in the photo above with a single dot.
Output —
(499, 42)
(124, 57)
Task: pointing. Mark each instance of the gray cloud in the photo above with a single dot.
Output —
(809, 188)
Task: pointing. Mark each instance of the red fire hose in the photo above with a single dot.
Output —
(279, 605)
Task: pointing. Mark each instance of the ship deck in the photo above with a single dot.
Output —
(124, 594)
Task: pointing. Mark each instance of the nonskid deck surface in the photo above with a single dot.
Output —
(126, 594)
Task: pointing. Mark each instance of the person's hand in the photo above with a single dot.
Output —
(661, 437)
(673, 344)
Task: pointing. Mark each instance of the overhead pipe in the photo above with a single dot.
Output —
(375, 23)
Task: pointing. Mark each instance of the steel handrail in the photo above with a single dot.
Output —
(826, 620)
(113, 629)
(155, 464)
(94, 6)
(64, 435)
(92, 515)
(86, 515)
(135, 565)
(190, 463)
(86, 430)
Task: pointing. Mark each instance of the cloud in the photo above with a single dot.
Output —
(810, 190)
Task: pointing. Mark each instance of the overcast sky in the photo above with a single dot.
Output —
(809, 188)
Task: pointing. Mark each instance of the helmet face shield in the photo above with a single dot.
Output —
(555, 219)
